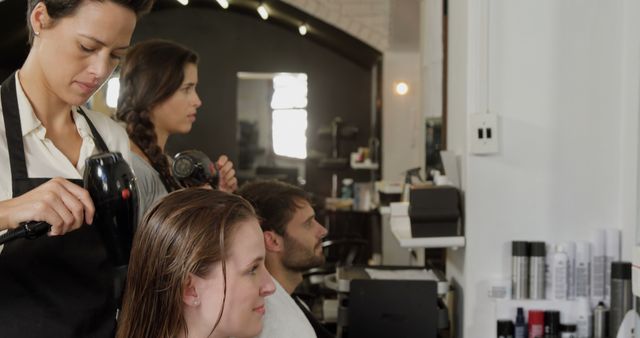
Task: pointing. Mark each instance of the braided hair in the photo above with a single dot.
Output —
(151, 73)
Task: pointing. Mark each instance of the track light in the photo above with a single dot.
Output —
(262, 10)
(302, 29)
(223, 3)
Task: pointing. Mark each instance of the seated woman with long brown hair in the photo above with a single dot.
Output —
(196, 269)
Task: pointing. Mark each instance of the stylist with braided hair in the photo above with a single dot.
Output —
(158, 98)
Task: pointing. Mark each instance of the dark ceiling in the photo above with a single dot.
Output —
(14, 47)
(13, 33)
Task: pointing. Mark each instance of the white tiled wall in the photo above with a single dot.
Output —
(367, 20)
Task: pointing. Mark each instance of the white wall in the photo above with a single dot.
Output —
(563, 78)
(411, 53)
(403, 127)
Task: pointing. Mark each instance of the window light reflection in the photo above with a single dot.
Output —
(113, 91)
(289, 117)
(289, 128)
(289, 91)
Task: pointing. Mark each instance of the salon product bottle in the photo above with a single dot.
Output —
(520, 270)
(583, 267)
(583, 315)
(559, 270)
(536, 324)
(548, 275)
(505, 329)
(621, 296)
(600, 321)
(598, 266)
(570, 250)
(536, 270)
(520, 329)
(612, 254)
(347, 188)
(568, 331)
(552, 324)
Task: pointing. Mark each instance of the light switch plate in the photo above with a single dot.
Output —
(483, 133)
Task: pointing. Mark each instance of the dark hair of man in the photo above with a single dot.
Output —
(275, 203)
(58, 9)
(151, 73)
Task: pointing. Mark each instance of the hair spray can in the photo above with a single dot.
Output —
(520, 270)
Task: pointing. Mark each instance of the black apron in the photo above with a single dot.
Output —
(58, 286)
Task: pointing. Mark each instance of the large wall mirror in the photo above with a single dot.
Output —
(241, 59)
(343, 75)
(272, 126)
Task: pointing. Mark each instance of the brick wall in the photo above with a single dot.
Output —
(367, 20)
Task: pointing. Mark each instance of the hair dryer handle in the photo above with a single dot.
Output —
(29, 230)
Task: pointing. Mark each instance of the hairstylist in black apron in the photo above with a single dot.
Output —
(51, 277)
(60, 285)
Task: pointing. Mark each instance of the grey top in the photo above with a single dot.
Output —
(150, 185)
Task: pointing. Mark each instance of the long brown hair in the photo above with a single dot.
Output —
(184, 233)
(151, 72)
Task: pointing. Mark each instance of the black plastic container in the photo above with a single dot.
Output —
(435, 212)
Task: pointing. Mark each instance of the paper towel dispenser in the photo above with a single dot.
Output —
(435, 212)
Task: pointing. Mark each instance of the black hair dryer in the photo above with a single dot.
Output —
(112, 186)
(113, 189)
(192, 168)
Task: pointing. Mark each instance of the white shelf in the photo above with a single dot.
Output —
(433, 242)
(399, 209)
(366, 165)
(401, 229)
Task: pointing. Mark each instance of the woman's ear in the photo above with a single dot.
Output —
(39, 18)
(272, 241)
(190, 292)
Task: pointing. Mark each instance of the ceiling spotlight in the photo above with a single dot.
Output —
(223, 3)
(184, 2)
(302, 29)
(401, 88)
(262, 10)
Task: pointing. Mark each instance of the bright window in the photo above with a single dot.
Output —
(113, 90)
(289, 116)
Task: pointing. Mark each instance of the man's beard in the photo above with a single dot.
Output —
(298, 258)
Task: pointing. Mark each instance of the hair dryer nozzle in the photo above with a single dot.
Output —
(192, 168)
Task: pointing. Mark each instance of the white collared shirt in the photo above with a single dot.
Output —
(43, 158)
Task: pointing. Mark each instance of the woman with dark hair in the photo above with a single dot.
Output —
(196, 269)
(57, 286)
(158, 98)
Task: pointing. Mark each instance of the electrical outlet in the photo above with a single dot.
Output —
(483, 133)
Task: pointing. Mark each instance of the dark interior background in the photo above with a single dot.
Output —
(342, 80)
